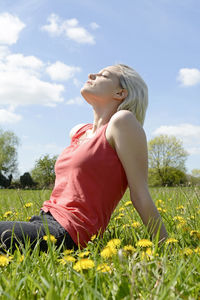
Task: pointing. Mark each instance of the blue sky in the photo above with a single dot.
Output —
(48, 48)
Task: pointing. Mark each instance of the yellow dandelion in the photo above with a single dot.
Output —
(85, 253)
(197, 250)
(160, 201)
(21, 258)
(159, 209)
(144, 243)
(114, 243)
(108, 252)
(171, 241)
(117, 218)
(93, 237)
(28, 218)
(192, 217)
(69, 258)
(121, 209)
(136, 224)
(104, 268)
(179, 218)
(180, 207)
(4, 260)
(7, 213)
(68, 251)
(187, 251)
(195, 233)
(129, 249)
(127, 203)
(50, 237)
(29, 204)
(121, 215)
(83, 264)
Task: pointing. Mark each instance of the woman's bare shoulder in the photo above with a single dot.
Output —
(75, 129)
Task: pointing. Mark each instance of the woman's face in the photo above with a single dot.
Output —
(103, 85)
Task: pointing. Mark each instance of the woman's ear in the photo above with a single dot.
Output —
(121, 94)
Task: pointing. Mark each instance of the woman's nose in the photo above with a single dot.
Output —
(91, 76)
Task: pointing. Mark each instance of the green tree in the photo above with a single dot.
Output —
(166, 157)
(26, 180)
(196, 172)
(43, 173)
(8, 152)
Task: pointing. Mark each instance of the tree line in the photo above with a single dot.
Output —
(166, 158)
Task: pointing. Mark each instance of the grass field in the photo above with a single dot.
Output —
(125, 264)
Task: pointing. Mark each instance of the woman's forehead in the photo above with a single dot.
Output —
(111, 69)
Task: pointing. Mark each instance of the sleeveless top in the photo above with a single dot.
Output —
(90, 181)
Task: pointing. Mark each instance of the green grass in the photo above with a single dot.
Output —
(167, 273)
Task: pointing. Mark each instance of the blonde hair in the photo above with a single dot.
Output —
(137, 99)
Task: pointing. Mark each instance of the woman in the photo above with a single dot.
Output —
(93, 173)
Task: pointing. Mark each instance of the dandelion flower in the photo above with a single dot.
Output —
(117, 218)
(114, 243)
(29, 204)
(83, 264)
(136, 224)
(195, 233)
(187, 251)
(4, 260)
(51, 238)
(7, 213)
(171, 241)
(179, 218)
(108, 252)
(129, 249)
(121, 209)
(103, 268)
(68, 251)
(144, 243)
(128, 203)
(69, 258)
(85, 253)
(197, 250)
(180, 207)
(93, 237)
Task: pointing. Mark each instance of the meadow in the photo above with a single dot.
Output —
(125, 264)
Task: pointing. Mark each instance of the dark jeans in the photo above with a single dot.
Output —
(18, 232)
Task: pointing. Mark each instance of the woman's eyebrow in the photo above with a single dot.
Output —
(104, 71)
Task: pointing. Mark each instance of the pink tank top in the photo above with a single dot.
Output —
(90, 181)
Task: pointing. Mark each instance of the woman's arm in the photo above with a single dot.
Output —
(131, 146)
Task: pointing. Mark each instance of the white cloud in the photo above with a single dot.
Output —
(21, 83)
(68, 28)
(188, 133)
(94, 25)
(10, 28)
(7, 116)
(60, 71)
(76, 100)
(189, 77)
